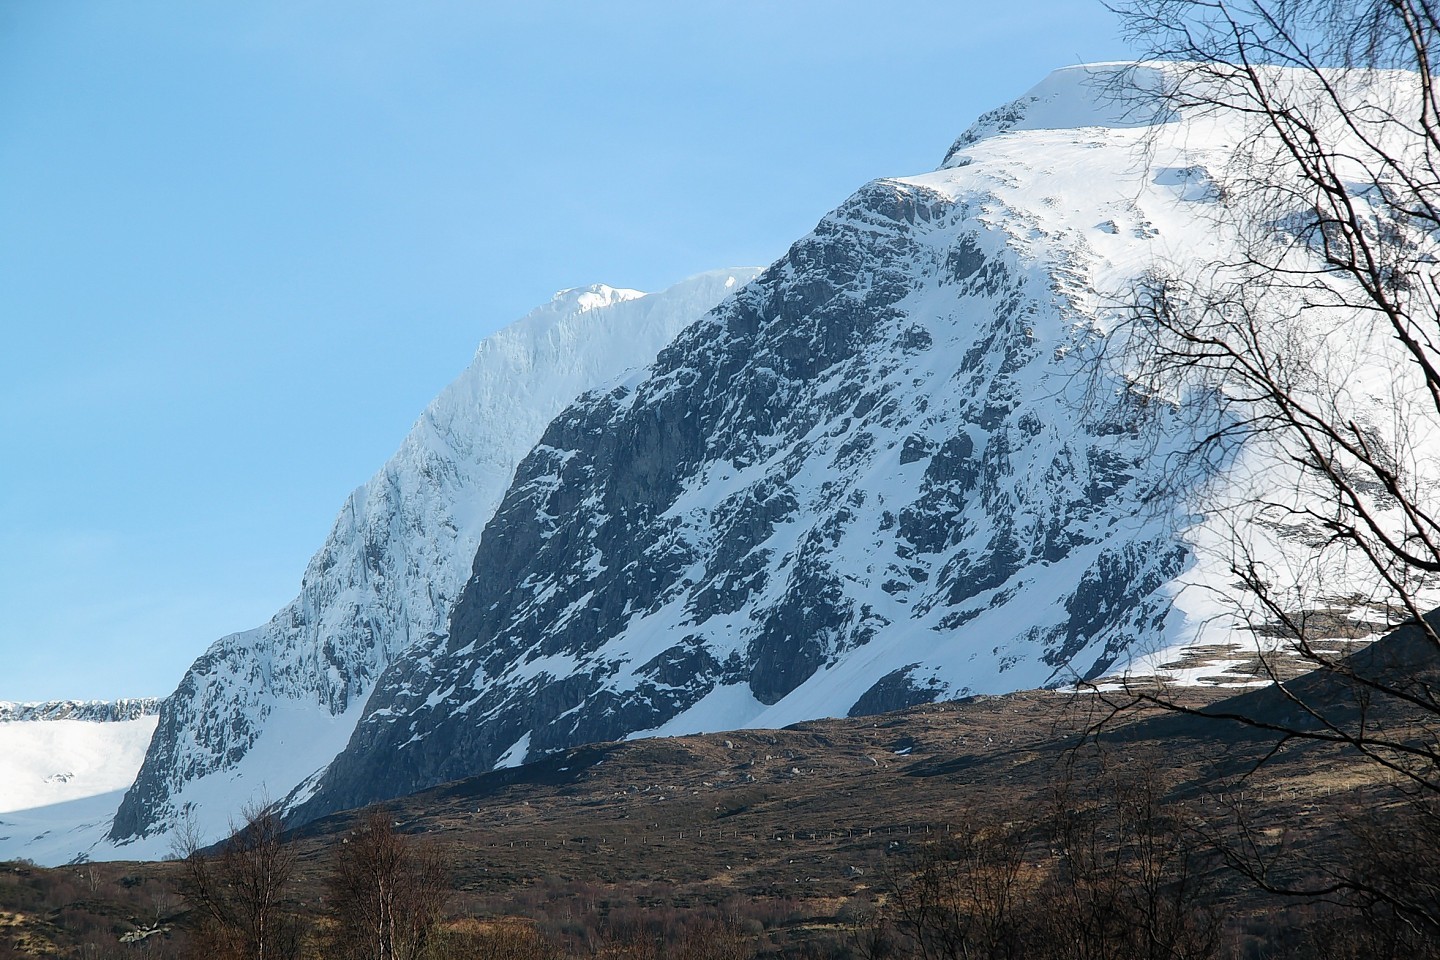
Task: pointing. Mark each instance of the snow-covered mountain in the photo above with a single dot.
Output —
(265, 709)
(899, 465)
(865, 481)
(63, 764)
(892, 469)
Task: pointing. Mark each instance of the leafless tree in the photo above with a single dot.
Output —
(1129, 877)
(385, 892)
(238, 890)
(1315, 342)
(1109, 870)
(963, 898)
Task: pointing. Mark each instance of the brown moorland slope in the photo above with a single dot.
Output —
(799, 832)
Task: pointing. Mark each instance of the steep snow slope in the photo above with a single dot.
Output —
(891, 469)
(265, 709)
(66, 755)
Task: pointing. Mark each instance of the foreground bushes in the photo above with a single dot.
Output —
(1112, 861)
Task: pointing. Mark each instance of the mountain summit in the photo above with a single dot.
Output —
(869, 479)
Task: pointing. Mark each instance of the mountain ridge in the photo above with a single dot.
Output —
(95, 711)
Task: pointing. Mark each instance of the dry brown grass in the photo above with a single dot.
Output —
(785, 835)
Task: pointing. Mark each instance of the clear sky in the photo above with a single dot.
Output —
(243, 244)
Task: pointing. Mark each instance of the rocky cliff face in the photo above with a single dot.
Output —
(263, 710)
(887, 471)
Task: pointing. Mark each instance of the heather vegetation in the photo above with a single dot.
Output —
(1145, 837)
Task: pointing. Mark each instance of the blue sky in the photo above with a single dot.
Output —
(243, 244)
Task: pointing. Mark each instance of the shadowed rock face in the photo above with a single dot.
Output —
(846, 490)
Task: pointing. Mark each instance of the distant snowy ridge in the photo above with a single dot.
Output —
(95, 711)
(63, 767)
(64, 762)
(264, 710)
